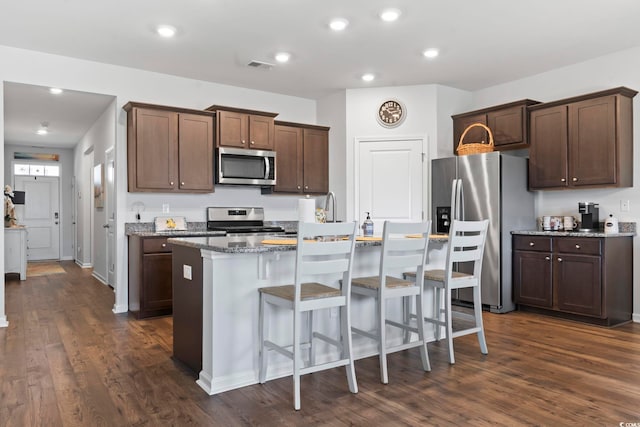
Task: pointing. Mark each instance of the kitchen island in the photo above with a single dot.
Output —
(215, 291)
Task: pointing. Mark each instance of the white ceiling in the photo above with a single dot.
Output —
(482, 43)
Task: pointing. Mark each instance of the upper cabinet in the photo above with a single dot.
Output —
(586, 141)
(242, 128)
(302, 162)
(508, 123)
(169, 149)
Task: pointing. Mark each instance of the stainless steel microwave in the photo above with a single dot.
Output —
(246, 167)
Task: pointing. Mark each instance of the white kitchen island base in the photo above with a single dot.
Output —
(230, 311)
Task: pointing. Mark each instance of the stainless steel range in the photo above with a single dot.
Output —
(240, 222)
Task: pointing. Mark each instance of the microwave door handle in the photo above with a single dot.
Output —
(266, 168)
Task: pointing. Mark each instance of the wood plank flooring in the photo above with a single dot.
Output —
(67, 360)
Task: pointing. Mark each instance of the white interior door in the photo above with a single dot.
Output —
(389, 184)
(110, 209)
(41, 214)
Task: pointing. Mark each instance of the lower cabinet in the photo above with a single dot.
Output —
(583, 278)
(150, 290)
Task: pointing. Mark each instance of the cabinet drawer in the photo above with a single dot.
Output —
(154, 245)
(532, 243)
(586, 246)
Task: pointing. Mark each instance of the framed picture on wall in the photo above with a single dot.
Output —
(98, 186)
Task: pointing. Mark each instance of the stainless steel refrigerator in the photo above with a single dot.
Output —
(489, 186)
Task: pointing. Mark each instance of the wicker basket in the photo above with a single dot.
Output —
(475, 147)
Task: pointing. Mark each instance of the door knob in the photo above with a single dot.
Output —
(105, 226)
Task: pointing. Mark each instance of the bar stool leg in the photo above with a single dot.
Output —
(382, 336)
(312, 353)
(347, 347)
(262, 331)
(437, 313)
(477, 308)
(447, 319)
(296, 359)
(424, 355)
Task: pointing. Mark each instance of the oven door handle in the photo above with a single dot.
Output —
(267, 168)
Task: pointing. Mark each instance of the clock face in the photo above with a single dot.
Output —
(391, 113)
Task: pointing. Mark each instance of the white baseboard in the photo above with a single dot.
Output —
(120, 309)
(635, 317)
(84, 265)
(67, 258)
(3, 322)
(99, 277)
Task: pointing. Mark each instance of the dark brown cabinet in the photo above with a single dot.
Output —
(508, 124)
(583, 278)
(243, 128)
(302, 162)
(585, 141)
(168, 149)
(150, 290)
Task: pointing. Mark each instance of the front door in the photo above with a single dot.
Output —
(389, 181)
(41, 215)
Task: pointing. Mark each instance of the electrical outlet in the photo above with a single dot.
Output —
(165, 208)
(186, 271)
(625, 205)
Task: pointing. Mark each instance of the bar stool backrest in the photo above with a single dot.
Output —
(466, 244)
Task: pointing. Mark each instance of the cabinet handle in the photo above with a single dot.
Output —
(531, 244)
(306, 187)
(563, 180)
(243, 141)
(164, 245)
(574, 179)
(171, 183)
(252, 142)
(547, 258)
(298, 187)
(577, 246)
(182, 183)
(559, 259)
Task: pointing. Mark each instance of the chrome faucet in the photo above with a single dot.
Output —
(332, 196)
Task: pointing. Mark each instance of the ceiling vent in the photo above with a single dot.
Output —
(260, 65)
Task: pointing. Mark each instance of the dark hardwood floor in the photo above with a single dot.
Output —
(67, 360)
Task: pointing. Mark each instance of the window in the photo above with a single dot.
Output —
(36, 169)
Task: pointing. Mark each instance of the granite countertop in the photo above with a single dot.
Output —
(253, 244)
(572, 233)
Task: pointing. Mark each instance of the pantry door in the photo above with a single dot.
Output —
(389, 181)
(41, 215)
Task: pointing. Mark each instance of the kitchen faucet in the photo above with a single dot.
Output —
(332, 196)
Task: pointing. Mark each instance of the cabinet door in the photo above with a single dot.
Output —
(548, 151)
(156, 150)
(592, 142)
(508, 127)
(233, 129)
(195, 153)
(579, 284)
(157, 291)
(288, 146)
(315, 161)
(532, 278)
(477, 134)
(261, 130)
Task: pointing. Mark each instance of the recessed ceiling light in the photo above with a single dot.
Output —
(282, 57)
(338, 24)
(389, 15)
(166, 31)
(368, 77)
(44, 128)
(55, 90)
(431, 53)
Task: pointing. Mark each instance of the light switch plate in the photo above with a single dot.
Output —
(625, 206)
(186, 271)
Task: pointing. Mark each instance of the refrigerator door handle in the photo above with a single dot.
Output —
(454, 192)
(460, 202)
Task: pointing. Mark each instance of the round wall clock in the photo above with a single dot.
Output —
(391, 113)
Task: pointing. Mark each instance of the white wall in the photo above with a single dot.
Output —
(426, 108)
(100, 137)
(332, 109)
(619, 69)
(66, 174)
(127, 84)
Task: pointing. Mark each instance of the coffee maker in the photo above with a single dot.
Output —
(589, 212)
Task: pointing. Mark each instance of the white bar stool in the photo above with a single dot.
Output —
(330, 252)
(404, 245)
